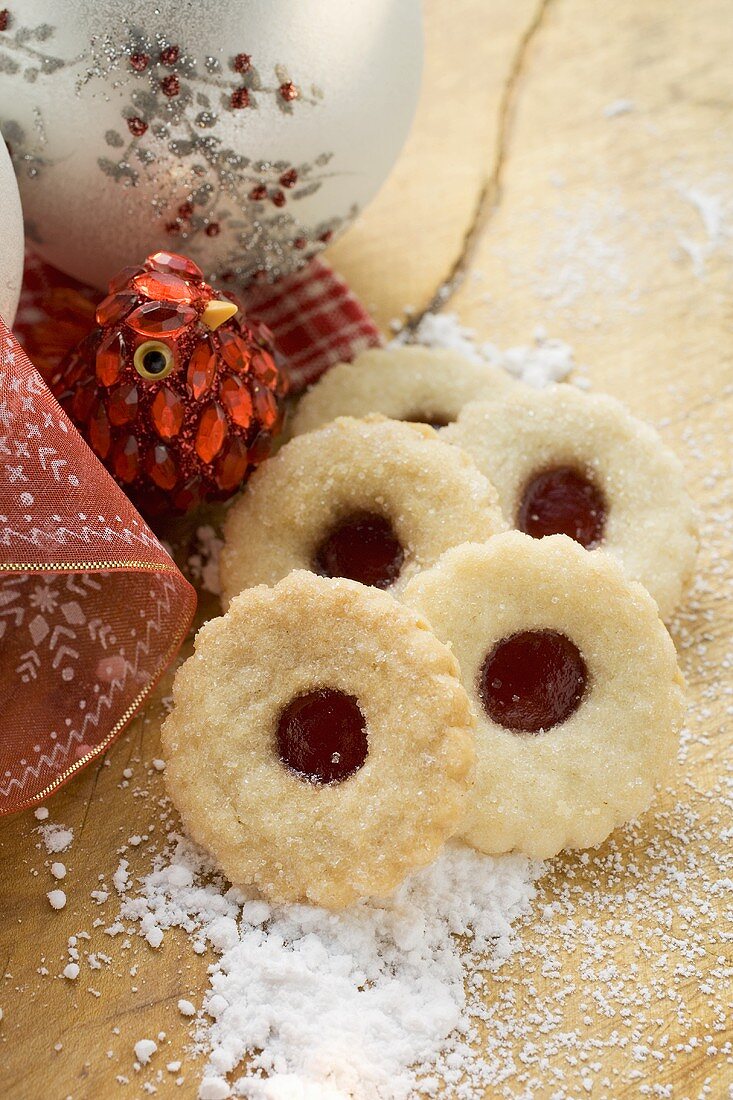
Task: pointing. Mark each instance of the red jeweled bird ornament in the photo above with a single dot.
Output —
(175, 391)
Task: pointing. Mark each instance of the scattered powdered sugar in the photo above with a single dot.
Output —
(57, 838)
(543, 361)
(363, 1001)
(203, 564)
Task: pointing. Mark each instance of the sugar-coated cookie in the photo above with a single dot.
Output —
(428, 385)
(372, 500)
(574, 683)
(320, 743)
(568, 462)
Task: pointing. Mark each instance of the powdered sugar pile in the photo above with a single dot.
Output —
(537, 364)
(363, 1001)
(203, 564)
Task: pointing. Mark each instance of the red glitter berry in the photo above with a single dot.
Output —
(170, 85)
(213, 229)
(288, 91)
(289, 178)
(139, 62)
(169, 55)
(242, 63)
(4, 19)
(258, 193)
(185, 210)
(278, 198)
(239, 99)
(179, 412)
(137, 126)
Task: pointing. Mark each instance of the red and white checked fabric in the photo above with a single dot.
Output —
(316, 319)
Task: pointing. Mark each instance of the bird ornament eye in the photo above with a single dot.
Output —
(153, 360)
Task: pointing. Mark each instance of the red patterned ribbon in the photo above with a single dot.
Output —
(92, 608)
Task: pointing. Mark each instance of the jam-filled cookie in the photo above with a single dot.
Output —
(568, 462)
(426, 385)
(574, 683)
(372, 500)
(320, 744)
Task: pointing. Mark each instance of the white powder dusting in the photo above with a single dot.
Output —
(363, 1001)
(618, 107)
(538, 364)
(41, 813)
(144, 1050)
(56, 898)
(57, 838)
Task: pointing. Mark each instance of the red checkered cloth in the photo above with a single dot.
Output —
(316, 319)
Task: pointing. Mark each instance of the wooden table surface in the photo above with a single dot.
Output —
(572, 163)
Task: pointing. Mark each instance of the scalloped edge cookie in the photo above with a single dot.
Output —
(570, 786)
(651, 525)
(294, 839)
(432, 494)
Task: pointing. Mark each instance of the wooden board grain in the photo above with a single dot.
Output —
(573, 162)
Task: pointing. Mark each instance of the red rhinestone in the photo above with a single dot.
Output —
(236, 399)
(166, 412)
(123, 278)
(169, 55)
(261, 334)
(161, 467)
(100, 436)
(278, 198)
(126, 459)
(122, 404)
(211, 432)
(239, 99)
(266, 406)
(213, 229)
(242, 63)
(288, 91)
(258, 193)
(113, 307)
(161, 318)
(139, 62)
(260, 449)
(201, 369)
(82, 401)
(74, 367)
(170, 85)
(232, 466)
(289, 178)
(264, 368)
(188, 495)
(174, 263)
(137, 126)
(5, 21)
(162, 286)
(234, 351)
(110, 358)
(185, 210)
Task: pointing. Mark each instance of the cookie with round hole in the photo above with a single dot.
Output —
(320, 744)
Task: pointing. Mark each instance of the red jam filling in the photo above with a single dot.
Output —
(322, 736)
(532, 681)
(563, 501)
(362, 547)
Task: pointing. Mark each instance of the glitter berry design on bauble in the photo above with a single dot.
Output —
(176, 393)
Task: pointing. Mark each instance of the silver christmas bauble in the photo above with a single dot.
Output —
(245, 133)
(11, 239)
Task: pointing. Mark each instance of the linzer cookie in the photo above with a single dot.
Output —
(574, 683)
(426, 385)
(372, 500)
(567, 462)
(320, 743)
